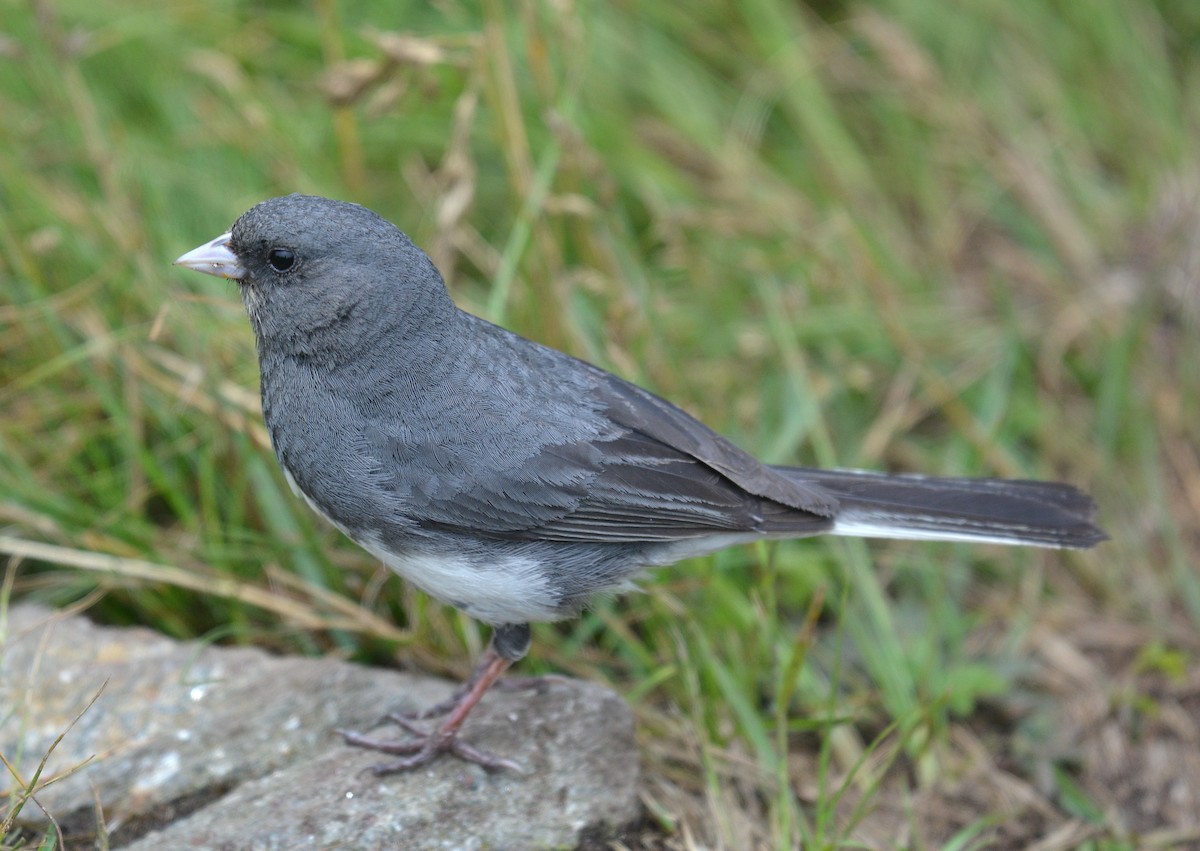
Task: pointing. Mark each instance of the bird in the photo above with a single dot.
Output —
(513, 481)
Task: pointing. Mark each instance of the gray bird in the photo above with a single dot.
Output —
(515, 482)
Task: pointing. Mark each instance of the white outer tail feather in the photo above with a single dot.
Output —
(854, 524)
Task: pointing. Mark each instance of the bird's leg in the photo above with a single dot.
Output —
(509, 643)
(446, 706)
(515, 646)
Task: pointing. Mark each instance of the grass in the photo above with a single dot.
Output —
(903, 235)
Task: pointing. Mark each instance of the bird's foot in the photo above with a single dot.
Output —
(423, 747)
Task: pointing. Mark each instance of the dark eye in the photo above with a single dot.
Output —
(281, 259)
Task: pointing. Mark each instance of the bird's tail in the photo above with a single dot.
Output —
(1001, 511)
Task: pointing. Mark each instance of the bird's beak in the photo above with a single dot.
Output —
(214, 258)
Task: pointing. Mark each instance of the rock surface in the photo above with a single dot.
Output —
(195, 746)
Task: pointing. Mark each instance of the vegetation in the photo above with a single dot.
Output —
(905, 235)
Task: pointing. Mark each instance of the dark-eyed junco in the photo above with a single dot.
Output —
(511, 480)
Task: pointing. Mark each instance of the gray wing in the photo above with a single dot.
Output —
(656, 493)
(590, 458)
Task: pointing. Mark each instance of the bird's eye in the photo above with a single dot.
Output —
(281, 259)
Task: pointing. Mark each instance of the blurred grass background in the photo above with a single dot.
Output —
(954, 238)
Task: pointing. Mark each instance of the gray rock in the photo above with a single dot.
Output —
(194, 746)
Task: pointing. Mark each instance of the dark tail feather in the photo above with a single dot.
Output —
(1002, 511)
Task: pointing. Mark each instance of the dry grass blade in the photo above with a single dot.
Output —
(295, 612)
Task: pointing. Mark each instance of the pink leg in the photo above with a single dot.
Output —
(448, 705)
